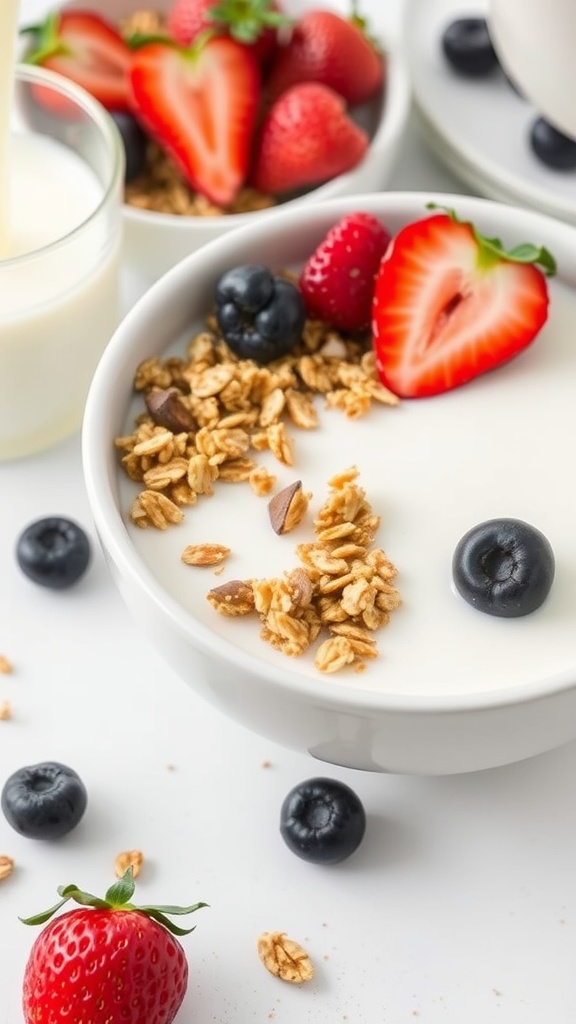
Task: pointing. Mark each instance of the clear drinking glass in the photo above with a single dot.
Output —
(60, 275)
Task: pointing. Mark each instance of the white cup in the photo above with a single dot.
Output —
(535, 41)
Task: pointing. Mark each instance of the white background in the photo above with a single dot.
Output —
(459, 907)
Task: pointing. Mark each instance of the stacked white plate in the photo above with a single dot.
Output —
(479, 128)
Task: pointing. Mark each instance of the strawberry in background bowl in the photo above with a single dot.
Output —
(231, 109)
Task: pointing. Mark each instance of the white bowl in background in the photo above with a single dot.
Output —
(154, 242)
(453, 690)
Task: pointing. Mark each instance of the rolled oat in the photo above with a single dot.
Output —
(284, 958)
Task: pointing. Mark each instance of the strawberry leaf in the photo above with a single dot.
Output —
(45, 40)
(246, 20)
(174, 929)
(492, 249)
(117, 897)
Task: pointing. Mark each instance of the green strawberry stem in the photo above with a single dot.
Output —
(118, 897)
(45, 40)
(360, 21)
(246, 20)
(491, 250)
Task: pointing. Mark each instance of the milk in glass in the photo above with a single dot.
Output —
(59, 258)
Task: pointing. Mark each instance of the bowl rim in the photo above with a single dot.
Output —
(100, 471)
(395, 110)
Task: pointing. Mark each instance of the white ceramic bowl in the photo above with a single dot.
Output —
(453, 690)
(154, 242)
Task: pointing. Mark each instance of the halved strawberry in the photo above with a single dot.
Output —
(450, 304)
(85, 47)
(337, 280)
(200, 105)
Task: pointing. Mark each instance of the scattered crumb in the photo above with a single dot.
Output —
(126, 859)
(5, 665)
(5, 710)
(170, 767)
(266, 763)
(6, 866)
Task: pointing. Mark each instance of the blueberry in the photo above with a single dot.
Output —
(552, 147)
(322, 821)
(468, 48)
(53, 552)
(135, 142)
(44, 801)
(504, 567)
(261, 316)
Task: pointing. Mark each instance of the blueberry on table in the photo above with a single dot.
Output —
(468, 48)
(44, 801)
(53, 552)
(504, 567)
(261, 316)
(322, 821)
(551, 146)
(134, 141)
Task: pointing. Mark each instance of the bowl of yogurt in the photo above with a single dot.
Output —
(444, 688)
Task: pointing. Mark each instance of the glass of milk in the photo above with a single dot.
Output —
(61, 181)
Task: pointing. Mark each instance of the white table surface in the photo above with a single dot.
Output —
(460, 905)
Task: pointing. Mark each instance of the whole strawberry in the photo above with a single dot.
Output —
(306, 138)
(106, 962)
(254, 22)
(337, 280)
(328, 48)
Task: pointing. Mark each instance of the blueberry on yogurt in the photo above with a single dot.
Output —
(504, 567)
(261, 316)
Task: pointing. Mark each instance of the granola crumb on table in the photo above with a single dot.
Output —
(285, 958)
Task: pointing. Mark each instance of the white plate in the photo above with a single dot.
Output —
(479, 128)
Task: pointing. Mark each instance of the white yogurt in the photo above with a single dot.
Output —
(59, 272)
(432, 468)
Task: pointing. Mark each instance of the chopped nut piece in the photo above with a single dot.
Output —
(126, 859)
(5, 710)
(205, 554)
(285, 958)
(5, 665)
(287, 508)
(233, 598)
(167, 410)
(6, 866)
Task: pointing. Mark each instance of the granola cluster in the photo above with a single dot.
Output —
(209, 413)
(160, 187)
(343, 587)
